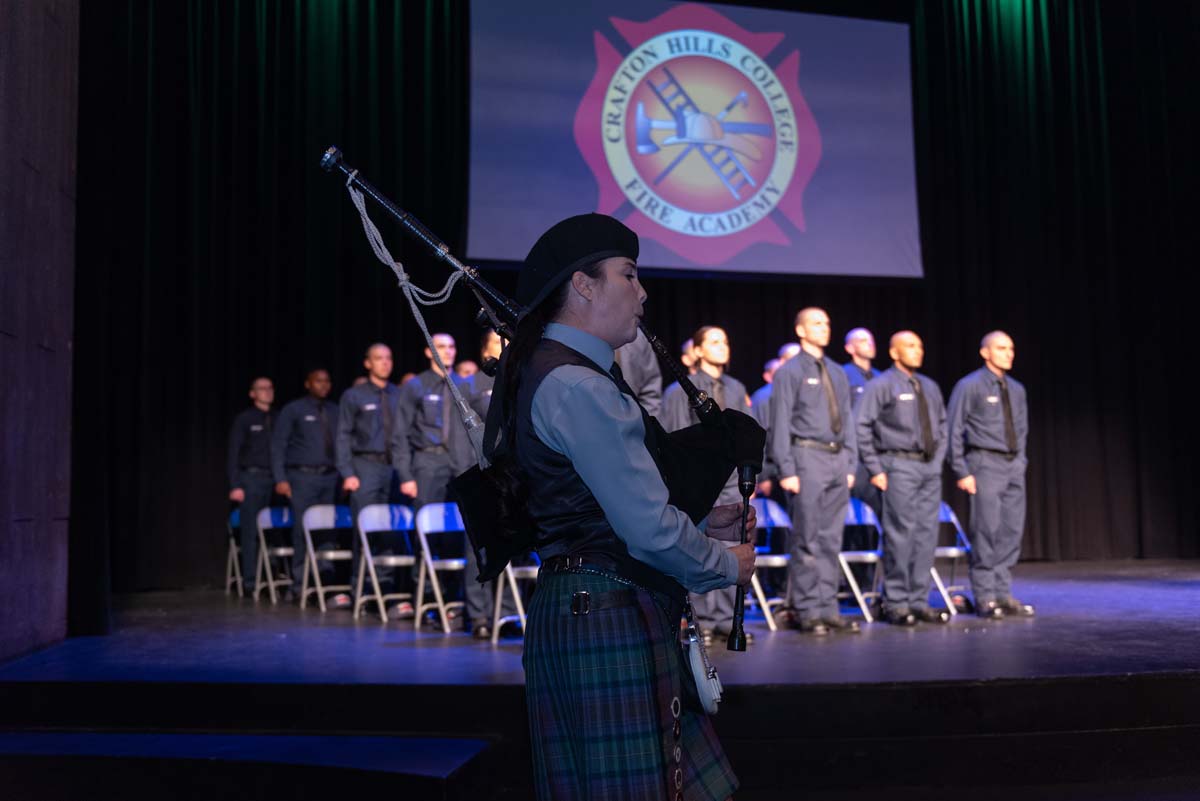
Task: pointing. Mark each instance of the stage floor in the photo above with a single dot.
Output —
(1094, 618)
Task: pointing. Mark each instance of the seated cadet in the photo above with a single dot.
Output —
(249, 469)
(302, 464)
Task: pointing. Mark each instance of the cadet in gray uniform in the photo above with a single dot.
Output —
(814, 450)
(302, 462)
(989, 425)
(713, 610)
(902, 440)
(860, 344)
(248, 467)
(368, 441)
(640, 368)
(435, 446)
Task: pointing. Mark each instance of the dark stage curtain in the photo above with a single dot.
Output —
(1054, 173)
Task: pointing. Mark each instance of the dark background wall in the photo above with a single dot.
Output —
(39, 59)
(1054, 173)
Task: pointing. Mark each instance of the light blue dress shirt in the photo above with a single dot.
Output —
(583, 416)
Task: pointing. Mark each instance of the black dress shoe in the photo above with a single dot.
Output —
(927, 615)
(842, 624)
(906, 619)
(482, 633)
(1012, 606)
(810, 626)
(990, 610)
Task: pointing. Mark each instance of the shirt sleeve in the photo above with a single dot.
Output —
(783, 397)
(864, 423)
(406, 414)
(279, 439)
(940, 456)
(956, 429)
(588, 420)
(237, 433)
(341, 443)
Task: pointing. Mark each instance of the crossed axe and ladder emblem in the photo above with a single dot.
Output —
(717, 141)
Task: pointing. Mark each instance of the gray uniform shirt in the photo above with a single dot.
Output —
(800, 409)
(639, 367)
(976, 417)
(888, 418)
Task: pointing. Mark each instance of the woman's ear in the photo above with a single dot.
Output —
(582, 284)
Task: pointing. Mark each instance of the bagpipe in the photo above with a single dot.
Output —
(695, 462)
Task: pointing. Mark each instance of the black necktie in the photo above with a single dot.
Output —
(718, 393)
(326, 434)
(928, 447)
(446, 411)
(1010, 430)
(835, 414)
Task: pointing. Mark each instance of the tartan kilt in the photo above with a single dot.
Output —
(601, 689)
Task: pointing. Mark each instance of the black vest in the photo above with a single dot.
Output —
(568, 518)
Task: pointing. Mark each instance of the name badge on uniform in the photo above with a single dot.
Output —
(311, 418)
(488, 393)
(256, 428)
(993, 399)
(859, 389)
(905, 396)
(813, 381)
(370, 407)
(433, 397)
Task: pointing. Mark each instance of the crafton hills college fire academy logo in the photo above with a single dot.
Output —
(693, 129)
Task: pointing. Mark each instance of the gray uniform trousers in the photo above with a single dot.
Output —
(997, 523)
(258, 487)
(867, 492)
(375, 486)
(714, 609)
(910, 528)
(309, 489)
(818, 515)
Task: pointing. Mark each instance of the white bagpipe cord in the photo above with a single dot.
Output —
(708, 683)
(418, 297)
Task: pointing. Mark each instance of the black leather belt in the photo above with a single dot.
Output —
(627, 569)
(912, 456)
(312, 469)
(372, 456)
(818, 445)
(1008, 455)
(255, 470)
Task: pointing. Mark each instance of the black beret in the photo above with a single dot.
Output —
(568, 246)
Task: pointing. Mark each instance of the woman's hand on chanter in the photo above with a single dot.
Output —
(724, 522)
(745, 556)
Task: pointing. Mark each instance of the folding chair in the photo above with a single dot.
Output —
(323, 517)
(371, 520)
(433, 519)
(268, 518)
(511, 574)
(959, 550)
(770, 517)
(859, 514)
(233, 558)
